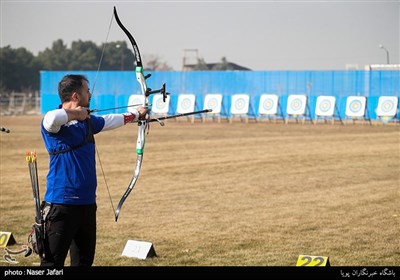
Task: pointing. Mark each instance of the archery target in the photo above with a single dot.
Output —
(133, 100)
(325, 106)
(240, 104)
(296, 104)
(214, 102)
(355, 106)
(186, 103)
(159, 106)
(387, 106)
(268, 104)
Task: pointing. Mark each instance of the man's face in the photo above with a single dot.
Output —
(84, 95)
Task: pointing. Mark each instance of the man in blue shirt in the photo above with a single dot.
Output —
(70, 198)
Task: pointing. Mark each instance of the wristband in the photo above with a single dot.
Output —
(130, 117)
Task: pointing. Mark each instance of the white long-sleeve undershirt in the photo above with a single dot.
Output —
(53, 120)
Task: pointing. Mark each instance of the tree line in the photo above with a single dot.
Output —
(20, 68)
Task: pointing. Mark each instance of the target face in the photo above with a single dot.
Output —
(296, 104)
(133, 100)
(268, 104)
(186, 103)
(325, 106)
(387, 106)
(159, 106)
(355, 106)
(213, 102)
(240, 104)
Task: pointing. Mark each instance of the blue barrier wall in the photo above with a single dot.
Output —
(113, 88)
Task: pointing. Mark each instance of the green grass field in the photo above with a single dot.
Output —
(210, 194)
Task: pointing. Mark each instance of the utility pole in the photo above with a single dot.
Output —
(387, 53)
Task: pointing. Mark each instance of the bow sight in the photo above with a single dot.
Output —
(161, 90)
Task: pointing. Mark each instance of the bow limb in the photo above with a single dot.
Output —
(141, 124)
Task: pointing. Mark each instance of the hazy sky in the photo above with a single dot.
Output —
(261, 35)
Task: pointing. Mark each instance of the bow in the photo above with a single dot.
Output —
(142, 124)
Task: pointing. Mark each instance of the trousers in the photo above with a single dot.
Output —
(69, 228)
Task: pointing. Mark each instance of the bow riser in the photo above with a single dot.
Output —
(142, 82)
(141, 139)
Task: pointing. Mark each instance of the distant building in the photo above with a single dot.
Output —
(193, 62)
(382, 67)
(213, 66)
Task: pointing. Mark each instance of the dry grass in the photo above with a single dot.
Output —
(230, 194)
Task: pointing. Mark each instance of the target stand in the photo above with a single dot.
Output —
(325, 109)
(297, 108)
(213, 101)
(387, 109)
(269, 107)
(134, 101)
(159, 107)
(240, 104)
(186, 104)
(356, 109)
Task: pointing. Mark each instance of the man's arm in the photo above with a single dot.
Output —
(117, 120)
(53, 120)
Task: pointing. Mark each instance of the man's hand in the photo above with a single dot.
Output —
(142, 112)
(79, 113)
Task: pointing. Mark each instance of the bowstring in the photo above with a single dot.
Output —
(94, 83)
(102, 53)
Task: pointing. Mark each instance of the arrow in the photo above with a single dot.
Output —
(159, 120)
(115, 108)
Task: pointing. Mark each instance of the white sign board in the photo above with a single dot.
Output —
(138, 249)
